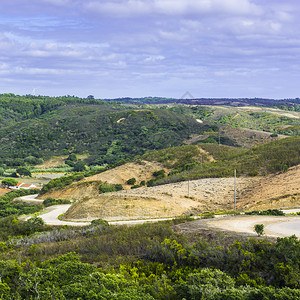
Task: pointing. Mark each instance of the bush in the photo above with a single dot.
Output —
(269, 212)
(108, 188)
(131, 181)
(80, 166)
(259, 229)
(159, 174)
(51, 201)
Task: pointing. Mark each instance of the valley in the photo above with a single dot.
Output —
(139, 198)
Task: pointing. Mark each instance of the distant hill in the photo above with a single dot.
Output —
(108, 133)
(212, 101)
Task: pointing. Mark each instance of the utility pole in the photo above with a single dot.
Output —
(234, 190)
(189, 184)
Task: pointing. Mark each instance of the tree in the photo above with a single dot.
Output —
(23, 172)
(9, 182)
(79, 166)
(30, 160)
(259, 229)
(72, 157)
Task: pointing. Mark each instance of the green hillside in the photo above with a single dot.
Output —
(257, 118)
(269, 158)
(107, 132)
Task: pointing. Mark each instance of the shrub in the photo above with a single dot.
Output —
(159, 174)
(131, 181)
(269, 212)
(259, 229)
(9, 182)
(108, 188)
(51, 201)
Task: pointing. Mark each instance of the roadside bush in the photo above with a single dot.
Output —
(269, 212)
(61, 182)
(51, 201)
(259, 229)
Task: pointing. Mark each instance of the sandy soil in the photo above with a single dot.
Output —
(211, 194)
(4, 191)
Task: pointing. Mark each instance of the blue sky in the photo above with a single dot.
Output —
(137, 48)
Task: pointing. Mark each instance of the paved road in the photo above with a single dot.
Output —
(284, 228)
(50, 216)
(274, 226)
(31, 198)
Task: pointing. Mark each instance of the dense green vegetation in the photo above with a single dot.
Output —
(9, 207)
(237, 117)
(108, 132)
(51, 201)
(108, 188)
(61, 182)
(276, 156)
(147, 261)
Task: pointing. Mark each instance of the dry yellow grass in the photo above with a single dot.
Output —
(211, 194)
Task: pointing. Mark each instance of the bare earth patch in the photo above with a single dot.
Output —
(161, 201)
(274, 191)
(211, 194)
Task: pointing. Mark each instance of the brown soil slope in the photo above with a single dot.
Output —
(140, 171)
(89, 186)
(274, 191)
(161, 201)
(175, 199)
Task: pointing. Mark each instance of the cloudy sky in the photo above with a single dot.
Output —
(137, 48)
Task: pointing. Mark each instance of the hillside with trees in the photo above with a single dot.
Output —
(148, 157)
(108, 133)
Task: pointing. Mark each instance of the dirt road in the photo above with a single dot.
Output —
(274, 226)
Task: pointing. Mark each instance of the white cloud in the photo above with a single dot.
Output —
(172, 7)
(154, 59)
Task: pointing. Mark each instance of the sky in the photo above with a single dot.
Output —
(139, 48)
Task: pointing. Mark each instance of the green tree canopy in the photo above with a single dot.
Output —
(9, 182)
(23, 172)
